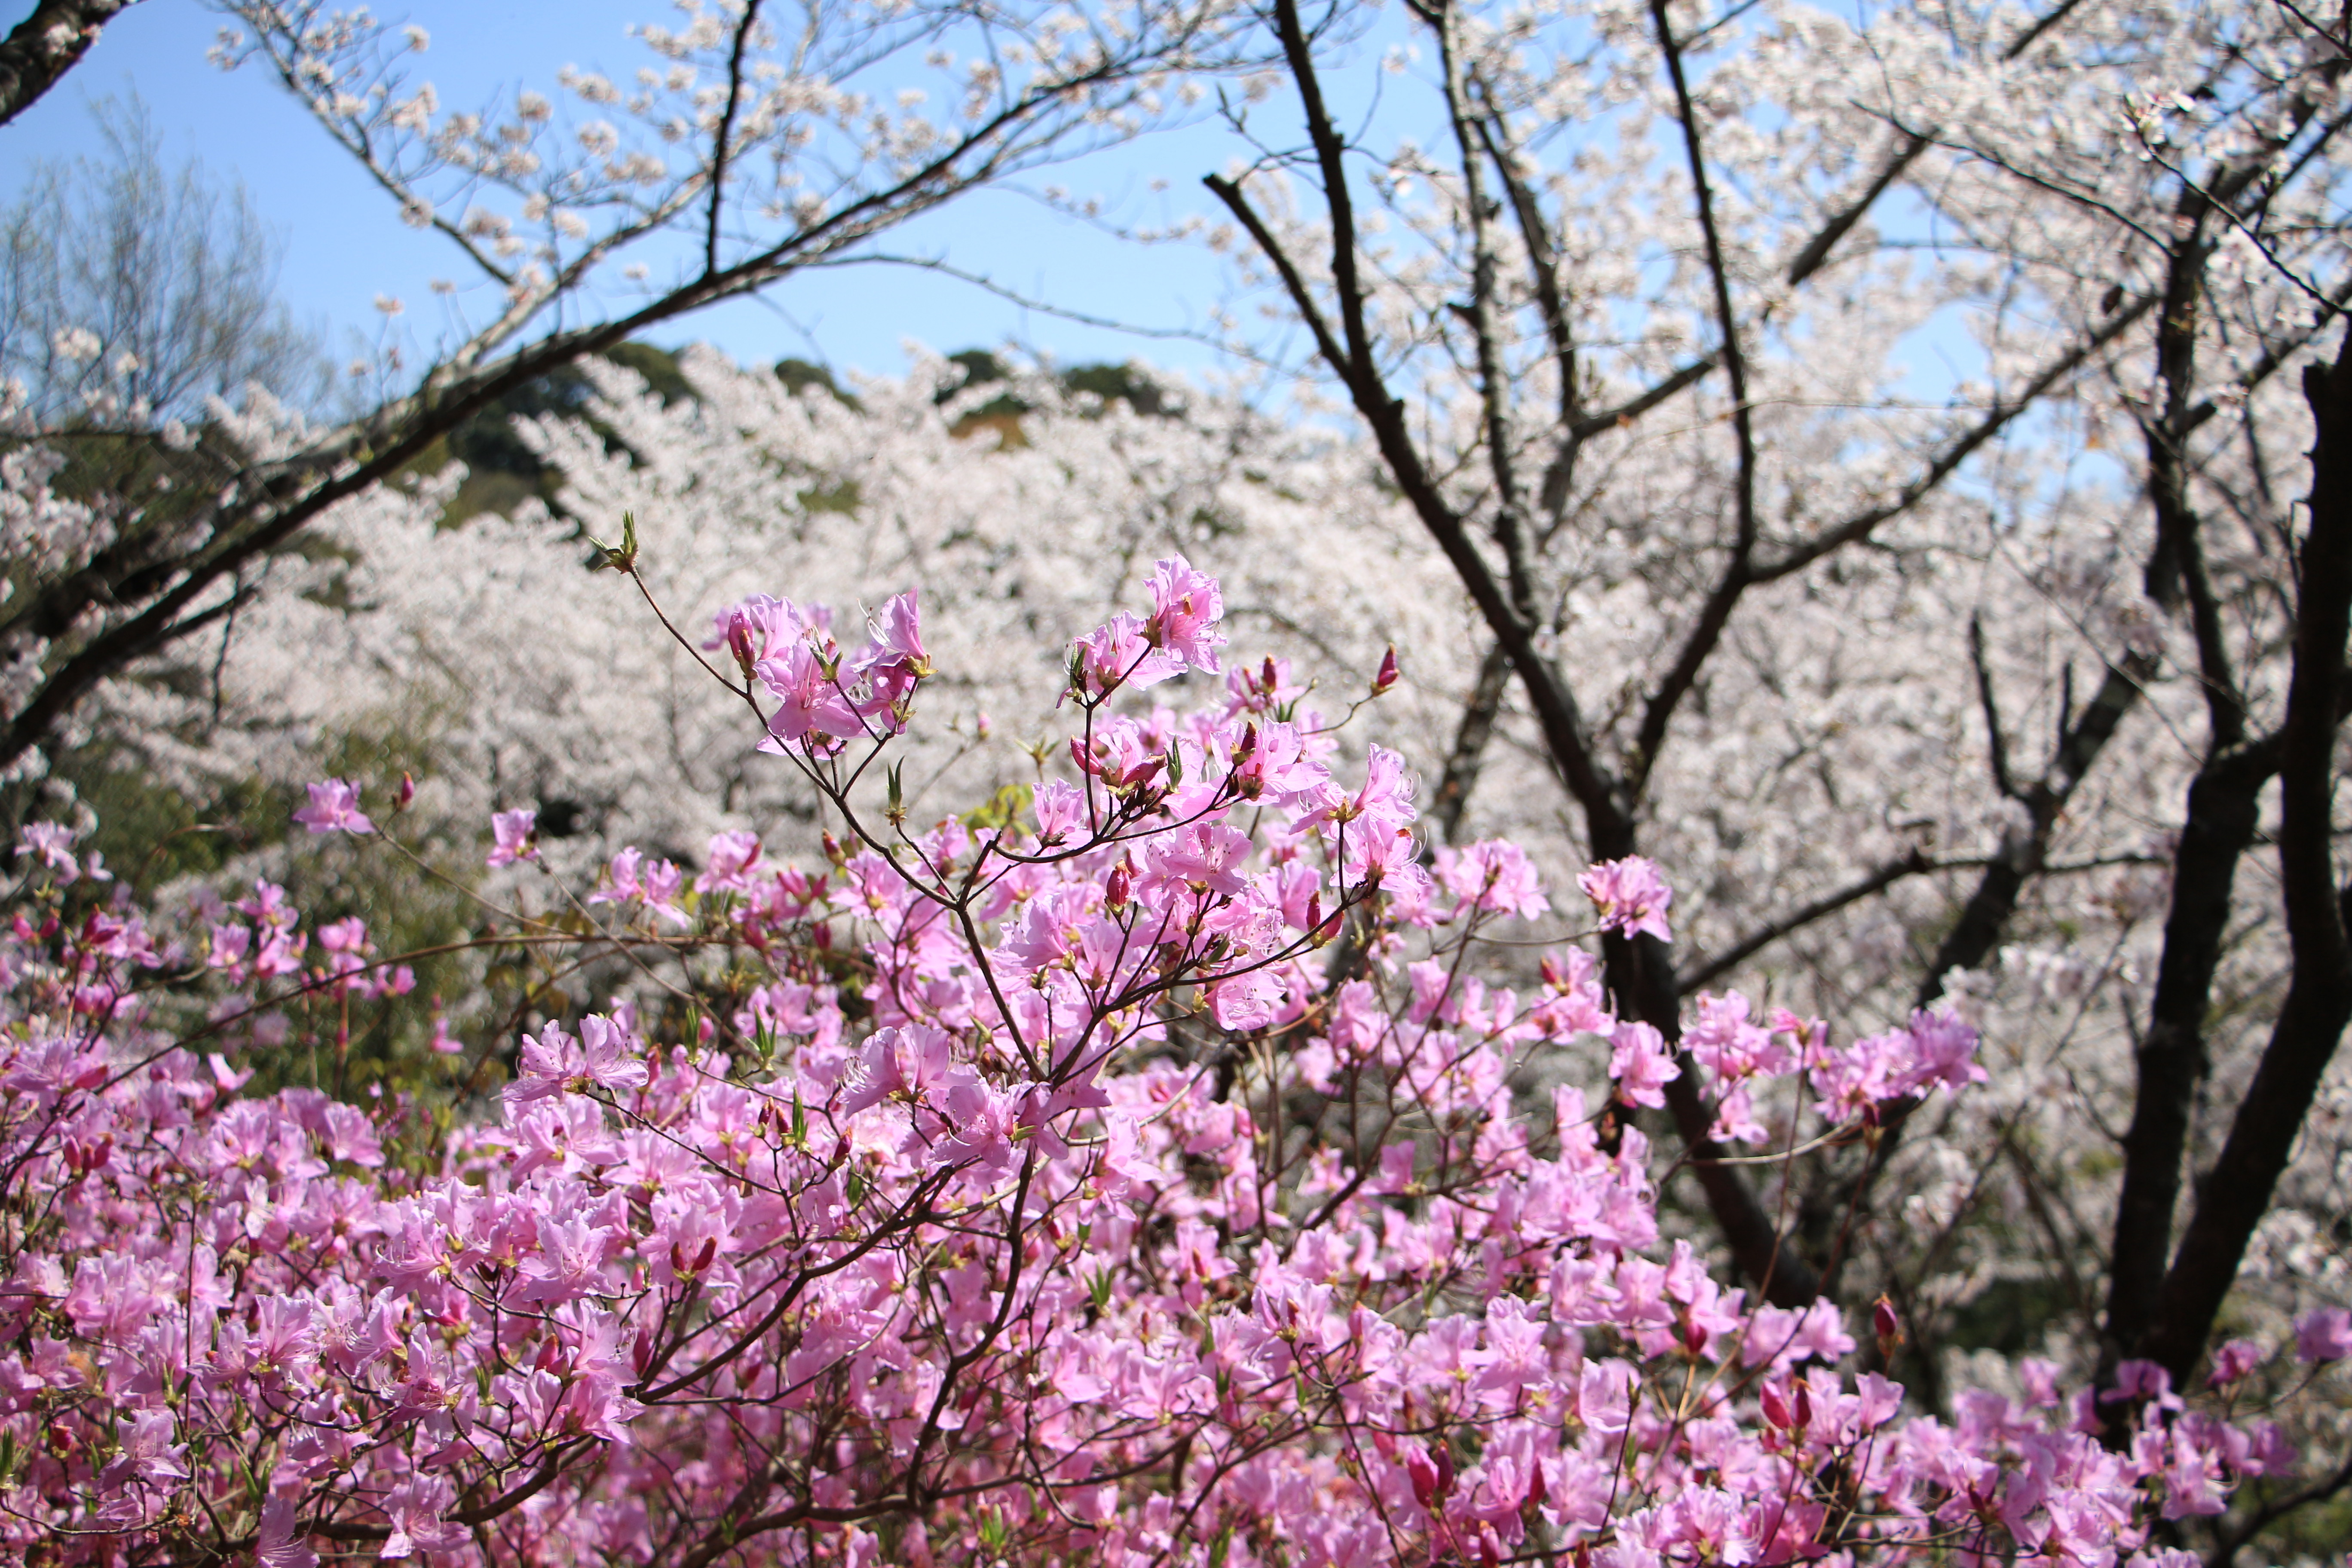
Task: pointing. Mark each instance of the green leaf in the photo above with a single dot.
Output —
(1000, 810)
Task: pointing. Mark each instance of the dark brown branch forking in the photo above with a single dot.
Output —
(2269, 1120)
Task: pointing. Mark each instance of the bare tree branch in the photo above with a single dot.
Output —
(1996, 743)
(722, 144)
(1946, 461)
(1816, 250)
(1470, 740)
(1916, 863)
(1715, 614)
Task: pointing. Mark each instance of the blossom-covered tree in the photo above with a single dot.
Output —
(1469, 299)
(752, 144)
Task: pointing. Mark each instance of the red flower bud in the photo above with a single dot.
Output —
(1775, 1409)
(1422, 1472)
(1117, 888)
(1388, 673)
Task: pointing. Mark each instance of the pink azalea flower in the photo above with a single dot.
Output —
(1185, 608)
(280, 1545)
(516, 835)
(2325, 1335)
(812, 699)
(1493, 875)
(894, 658)
(1630, 896)
(334, 808)
(2234, 1360)
(1642, 1065)
(733, 856)
(1121, 652)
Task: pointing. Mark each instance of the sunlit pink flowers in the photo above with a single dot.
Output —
(991, 1138)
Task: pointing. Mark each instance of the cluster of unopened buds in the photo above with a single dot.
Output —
(1045, 1189)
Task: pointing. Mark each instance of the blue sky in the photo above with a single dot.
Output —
(343, 245)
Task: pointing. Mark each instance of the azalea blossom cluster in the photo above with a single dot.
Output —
(1158, 1170)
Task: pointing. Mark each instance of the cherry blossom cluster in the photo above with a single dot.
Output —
(1166, 1168)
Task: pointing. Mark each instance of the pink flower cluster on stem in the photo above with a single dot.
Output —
(983, 1228)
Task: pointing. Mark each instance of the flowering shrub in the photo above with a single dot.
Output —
(1146, 1168)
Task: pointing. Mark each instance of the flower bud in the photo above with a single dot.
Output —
(1119, 885)
(1423, 1471)
(1388, 672)
(1776, 1408)
(1888, 1326)
(408, 792)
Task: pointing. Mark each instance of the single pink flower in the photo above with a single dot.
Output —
(517, 834)
(334, 808)
(1630, 895)
(2325, 1335)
